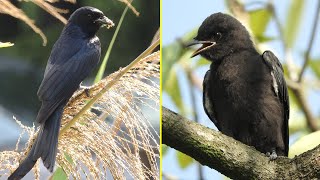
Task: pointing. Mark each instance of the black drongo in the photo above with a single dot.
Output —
(74, 55)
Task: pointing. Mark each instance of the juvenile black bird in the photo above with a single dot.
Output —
(74, 55)
(244, 93)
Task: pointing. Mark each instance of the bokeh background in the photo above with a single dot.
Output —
(182, 76)
(22, 65)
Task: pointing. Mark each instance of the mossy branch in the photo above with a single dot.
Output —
(231, 157)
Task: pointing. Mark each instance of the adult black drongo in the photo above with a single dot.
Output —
(74, 55)
(244, 93)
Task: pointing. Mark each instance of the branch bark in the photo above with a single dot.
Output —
(231, 157)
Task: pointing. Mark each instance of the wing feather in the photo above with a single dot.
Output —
(280, 88)
(207, 101)
(62, 79)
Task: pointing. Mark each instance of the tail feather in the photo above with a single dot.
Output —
(24, 167)
(45, 146)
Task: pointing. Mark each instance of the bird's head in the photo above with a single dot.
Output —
(220, 35)
(89, 19)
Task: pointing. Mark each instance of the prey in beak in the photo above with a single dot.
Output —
(205, 45)
(104, 21)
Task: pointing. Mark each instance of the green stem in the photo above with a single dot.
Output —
(106, 57)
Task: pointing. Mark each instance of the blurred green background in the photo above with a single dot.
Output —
(284, 27)
(22, 65)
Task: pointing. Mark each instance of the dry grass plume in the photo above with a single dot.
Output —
(110, 138)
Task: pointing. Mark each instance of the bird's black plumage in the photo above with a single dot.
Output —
(74, 55)
(244, 93)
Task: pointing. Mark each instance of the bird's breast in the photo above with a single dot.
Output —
(241, 83)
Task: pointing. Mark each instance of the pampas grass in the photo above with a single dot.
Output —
(95, 148)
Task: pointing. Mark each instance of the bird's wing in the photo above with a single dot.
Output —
(207, 102)
(280, 89)
(62, 78)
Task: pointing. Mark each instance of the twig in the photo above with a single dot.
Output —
(196, 81)
(51, 10)
(6, 7)
(292, 84)
(128, 3)
(311, 121)
(156, 36)
(168, 176)
(195, 114)
(310, 45)
(287, 51)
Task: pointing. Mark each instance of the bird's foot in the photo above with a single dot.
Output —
(98, 111)
(86, 89)
(273, 155)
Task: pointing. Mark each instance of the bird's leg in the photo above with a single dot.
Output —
(273, 155)
(86, 89)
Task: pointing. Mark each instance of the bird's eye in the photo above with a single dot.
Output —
(218, 35)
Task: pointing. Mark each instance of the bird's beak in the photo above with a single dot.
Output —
(205, 45)
(104, 21)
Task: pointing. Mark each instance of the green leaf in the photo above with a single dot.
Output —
(264, 39)
(5, 44)
(304, 144)
(190, 35)
(59, 174)
(315, 66)
(293, 21)
(259, 20)
(293, 100)
(297, 122)
(173, 89)
(68, 158)
(170, 55)
(184, 160)
(173, 52)
(106, 57)
(165, 149)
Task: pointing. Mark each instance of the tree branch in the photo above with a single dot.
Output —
(231, 157)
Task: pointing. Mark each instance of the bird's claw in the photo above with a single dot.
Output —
(273, 155)
(86, 90)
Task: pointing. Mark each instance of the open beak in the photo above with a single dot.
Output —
(104, 21)
(205, 45)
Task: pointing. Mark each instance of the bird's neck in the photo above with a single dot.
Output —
(73, 30)
(233, 54)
